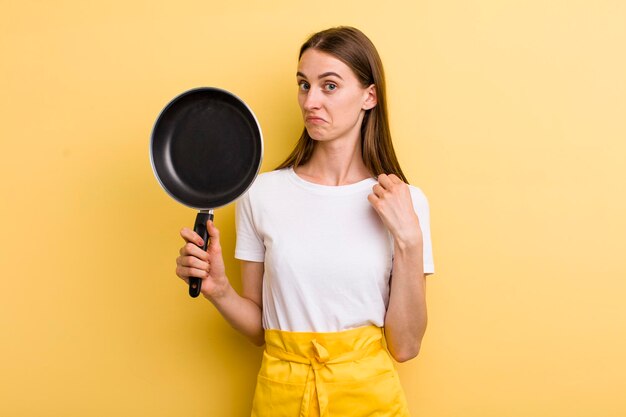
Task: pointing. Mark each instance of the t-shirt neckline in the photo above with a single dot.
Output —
(364, 184)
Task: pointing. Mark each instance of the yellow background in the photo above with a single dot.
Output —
(510, 115)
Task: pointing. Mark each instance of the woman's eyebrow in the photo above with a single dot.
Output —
(329, 74)
(324, 75)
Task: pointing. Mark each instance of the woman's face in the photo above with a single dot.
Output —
(331, 98)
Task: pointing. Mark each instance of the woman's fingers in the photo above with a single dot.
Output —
(379, 191)
(395, 179)
(191, 249)
(386, 184)
(383, 179)
(374, 200)
(389, 181)
(191, 236)
(190, 266)
(192, 261)
(185, 273)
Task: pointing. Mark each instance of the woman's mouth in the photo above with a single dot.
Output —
(315, 120)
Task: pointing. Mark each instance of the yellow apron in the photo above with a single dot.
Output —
(338, 374)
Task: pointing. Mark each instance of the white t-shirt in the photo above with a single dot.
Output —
(327, 254)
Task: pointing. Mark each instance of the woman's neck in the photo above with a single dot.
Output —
(335, 163)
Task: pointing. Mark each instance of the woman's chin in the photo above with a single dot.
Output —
(316, 134)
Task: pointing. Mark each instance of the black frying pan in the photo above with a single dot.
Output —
(206, 150)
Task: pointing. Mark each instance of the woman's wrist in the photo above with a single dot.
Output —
(408, 243)
(220, 292)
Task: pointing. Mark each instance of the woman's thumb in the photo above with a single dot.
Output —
(214, 234)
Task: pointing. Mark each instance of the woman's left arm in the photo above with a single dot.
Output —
(405, 321)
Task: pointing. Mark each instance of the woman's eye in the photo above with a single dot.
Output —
(330, 87)
(303, 85)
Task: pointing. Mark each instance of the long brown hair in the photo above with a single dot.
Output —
(354, 49)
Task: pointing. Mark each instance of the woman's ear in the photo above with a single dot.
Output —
(371, 98)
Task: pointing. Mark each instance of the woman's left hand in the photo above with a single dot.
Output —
(391, 198)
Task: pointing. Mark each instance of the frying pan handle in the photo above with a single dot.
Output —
(195, 284)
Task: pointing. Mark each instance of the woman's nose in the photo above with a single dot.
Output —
(312, 100)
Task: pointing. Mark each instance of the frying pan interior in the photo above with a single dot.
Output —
(206, 148)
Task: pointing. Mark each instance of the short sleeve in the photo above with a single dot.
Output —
(420, 204)
(249, 246)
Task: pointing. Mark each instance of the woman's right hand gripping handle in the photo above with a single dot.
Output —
(242, 312)
(208, 266)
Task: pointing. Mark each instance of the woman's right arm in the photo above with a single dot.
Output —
(243, 312)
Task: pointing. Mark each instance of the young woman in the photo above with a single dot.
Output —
(334, 247)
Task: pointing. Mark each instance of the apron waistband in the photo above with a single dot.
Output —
(318, 346)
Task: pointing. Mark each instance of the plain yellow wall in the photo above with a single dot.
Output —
(510, 115)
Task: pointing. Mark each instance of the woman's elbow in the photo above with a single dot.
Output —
(406, 354)
(258, 340)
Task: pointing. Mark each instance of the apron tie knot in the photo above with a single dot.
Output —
(321, 355)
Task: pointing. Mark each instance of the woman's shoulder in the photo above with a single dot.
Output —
(418, 196)
(271, 177)
(416, 191)
(269, 180)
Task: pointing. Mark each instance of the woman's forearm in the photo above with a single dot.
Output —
(243, 314)
(406, 318)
